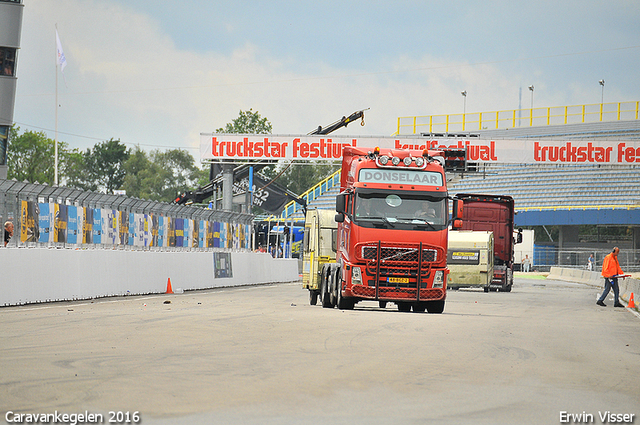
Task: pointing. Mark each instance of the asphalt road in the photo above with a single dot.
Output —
(263, 355)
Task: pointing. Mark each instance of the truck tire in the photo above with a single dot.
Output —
(325, 287)
(435, 307)
(313, 297)
(404, 307)
(341, 302)
(419, 307)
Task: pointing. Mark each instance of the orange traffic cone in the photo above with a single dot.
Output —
(169, 289)
(631, 303)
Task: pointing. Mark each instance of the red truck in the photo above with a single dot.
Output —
(494, 213)
(393, 216)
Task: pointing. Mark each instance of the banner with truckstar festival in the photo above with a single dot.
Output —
(327, 148)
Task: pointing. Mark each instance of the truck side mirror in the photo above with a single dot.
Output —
(339, 218)
(519, 237)
(341, 203)
(456, 220)
(458, 208)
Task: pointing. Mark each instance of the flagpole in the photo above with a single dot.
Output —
(55, 144)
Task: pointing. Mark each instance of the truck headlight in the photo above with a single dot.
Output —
(438, 279)
(356, 276)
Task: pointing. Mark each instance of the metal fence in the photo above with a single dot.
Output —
(63, 217)
(515, 118)
(545, 257)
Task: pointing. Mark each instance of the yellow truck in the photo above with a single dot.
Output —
(470, 259)
(319, 246)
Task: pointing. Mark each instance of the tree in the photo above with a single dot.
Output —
(105, 164)
(30, 157)
(248, 122)
(177, 172)
(138, 169)
(160, 176)
(102, 167)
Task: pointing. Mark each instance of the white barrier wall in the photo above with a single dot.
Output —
(41, 275)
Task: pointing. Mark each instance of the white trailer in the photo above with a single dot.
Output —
(470, 259)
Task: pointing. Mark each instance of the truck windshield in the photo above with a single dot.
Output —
(401, 208)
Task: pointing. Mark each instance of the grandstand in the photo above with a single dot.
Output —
(561, 186)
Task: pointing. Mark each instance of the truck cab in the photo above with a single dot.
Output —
(392, 216)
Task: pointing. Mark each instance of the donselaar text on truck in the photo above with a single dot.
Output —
(391, 245)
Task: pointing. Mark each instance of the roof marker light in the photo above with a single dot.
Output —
(384, 160)
(395, 160)
(407, 161)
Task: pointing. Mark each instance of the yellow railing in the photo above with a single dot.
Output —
(515, 118)
(311, 194)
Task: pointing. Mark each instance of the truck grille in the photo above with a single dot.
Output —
(398, 254)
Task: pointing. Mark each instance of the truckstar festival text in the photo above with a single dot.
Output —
(305, 147)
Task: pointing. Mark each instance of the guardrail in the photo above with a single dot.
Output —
(513, 118)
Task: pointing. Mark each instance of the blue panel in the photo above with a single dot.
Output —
(577, 217)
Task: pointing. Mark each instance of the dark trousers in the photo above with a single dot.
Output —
(608, 284)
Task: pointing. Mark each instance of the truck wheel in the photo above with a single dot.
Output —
(435, 307)
(486, 289)
(382, 304)
(325, 287)
(341, 302)
(508, 288)
(404, 307)
(419, 307)
(313, 297)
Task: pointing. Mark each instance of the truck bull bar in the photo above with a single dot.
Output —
(391, 272)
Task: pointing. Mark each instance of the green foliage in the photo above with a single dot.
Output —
(100, 168)
(248, 122)
(160, 176)
(30, 157)
(108, 166)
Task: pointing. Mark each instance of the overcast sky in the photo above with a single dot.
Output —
(157, 73)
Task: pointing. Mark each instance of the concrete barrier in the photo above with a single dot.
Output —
(41, 275)
(627, 286)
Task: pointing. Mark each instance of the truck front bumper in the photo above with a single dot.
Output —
(385, 293)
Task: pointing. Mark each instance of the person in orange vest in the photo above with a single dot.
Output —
(610, 271)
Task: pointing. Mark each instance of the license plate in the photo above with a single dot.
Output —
(398, 280)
